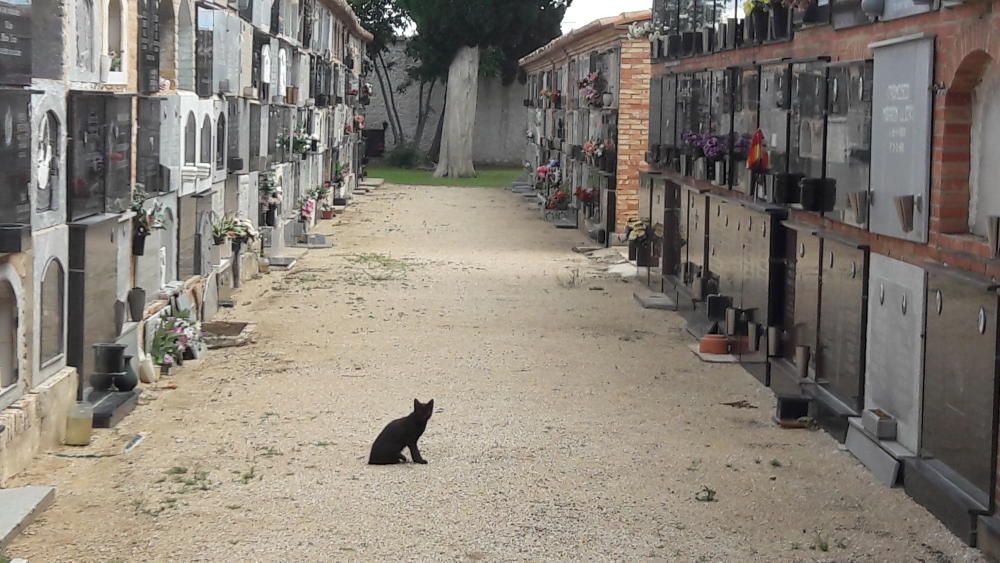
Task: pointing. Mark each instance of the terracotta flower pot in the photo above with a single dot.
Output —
(714, 344)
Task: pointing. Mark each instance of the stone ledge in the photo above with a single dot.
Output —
(35, 423)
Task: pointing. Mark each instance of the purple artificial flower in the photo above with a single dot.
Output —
(168, 360)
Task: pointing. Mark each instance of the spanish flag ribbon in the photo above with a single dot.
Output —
(758, 159)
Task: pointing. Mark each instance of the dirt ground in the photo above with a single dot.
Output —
(570, 423)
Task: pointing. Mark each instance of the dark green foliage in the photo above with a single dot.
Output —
(383, 18)
(505, 30)
(406, 156)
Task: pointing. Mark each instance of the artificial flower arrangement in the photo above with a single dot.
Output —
(593, 149)
(359, 122)
(320, 193)
(585, 196)
(307, 208)
(636, 230)
(640, 30)
(174, 337)
(269, 189)
(348, 129)
(146, 220)
(592, 89)
(234, 229)
(558, 200)
(552, 96)
(302, 142)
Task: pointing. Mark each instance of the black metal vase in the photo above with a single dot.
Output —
(139, 244)
(136, 303)
(688, 39)
(810, 193)
(271, 216)
(127, 380)
(644, 253)
(760, 21)
(674, 45)
(109, 358)
(786, 188)
(779, 21)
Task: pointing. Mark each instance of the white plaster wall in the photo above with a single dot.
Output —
(984, 173)
(189, 102)
(48, 244)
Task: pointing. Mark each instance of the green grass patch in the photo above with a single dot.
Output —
(487, 178)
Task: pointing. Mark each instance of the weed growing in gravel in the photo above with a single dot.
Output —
(776, 463)
(177, 470)
(820, 543)
(706, 494)
(249, 475)
(197, 481)
(270, 451)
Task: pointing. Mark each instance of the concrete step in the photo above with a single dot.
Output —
(19, 507)
(650, 299)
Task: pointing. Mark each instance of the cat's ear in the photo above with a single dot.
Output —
(430, 405)
(416, 405)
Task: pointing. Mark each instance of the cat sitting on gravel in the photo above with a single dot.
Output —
(402, 433)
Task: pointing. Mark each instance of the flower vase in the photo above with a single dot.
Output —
(721, 179)
(760, 22)
(235, 260)
(165, 370)
(127, 380)
(685, 162)
(700, 169)
(138, 244)
(271, 216)
(779, 21)
(136, 303)
(674, 46)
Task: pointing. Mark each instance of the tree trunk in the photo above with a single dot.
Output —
(388, 111)
(392, 97)
(435, 153)
(425, 112)
(460, 116)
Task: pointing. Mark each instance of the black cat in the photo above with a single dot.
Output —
(402, 433)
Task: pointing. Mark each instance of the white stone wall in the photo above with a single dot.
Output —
(500, 115)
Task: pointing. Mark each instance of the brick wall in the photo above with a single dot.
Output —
(633, 127)
(967, 43)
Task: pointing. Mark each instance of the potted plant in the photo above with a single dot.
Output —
(327, 211)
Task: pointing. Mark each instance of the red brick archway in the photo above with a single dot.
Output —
(951, 210)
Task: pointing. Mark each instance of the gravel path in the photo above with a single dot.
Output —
(570, 424)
